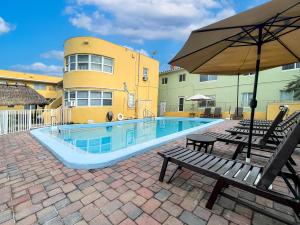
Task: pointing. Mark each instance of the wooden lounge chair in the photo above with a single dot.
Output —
(266, 143)
(244, 176)
(267, 123)
(217, 112)
(238, 114)
(206, 113)
(279, 130)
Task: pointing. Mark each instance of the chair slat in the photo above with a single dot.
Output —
(218, 165)
(211, 163)
(253, 175)
(233, 170)
(225, 168)
(244, 171)
(203, 162)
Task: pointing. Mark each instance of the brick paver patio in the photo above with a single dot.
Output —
(35, 188)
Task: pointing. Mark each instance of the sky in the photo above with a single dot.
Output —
(32, 32)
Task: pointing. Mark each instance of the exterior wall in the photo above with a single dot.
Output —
(128, 67)
(225, 89)
(52, 91)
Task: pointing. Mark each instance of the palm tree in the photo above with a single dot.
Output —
(294, 86)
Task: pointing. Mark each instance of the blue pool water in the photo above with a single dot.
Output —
(88, 146)
(110, 138)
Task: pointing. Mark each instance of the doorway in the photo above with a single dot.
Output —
(180, 104)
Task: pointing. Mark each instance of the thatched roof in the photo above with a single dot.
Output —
(19, 95)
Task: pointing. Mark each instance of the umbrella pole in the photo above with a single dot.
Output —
(237, 95)
(253, 102)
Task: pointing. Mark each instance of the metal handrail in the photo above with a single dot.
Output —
(148, 114)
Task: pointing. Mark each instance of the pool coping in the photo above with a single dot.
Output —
(75, 158)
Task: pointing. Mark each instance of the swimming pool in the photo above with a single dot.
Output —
(87, 146)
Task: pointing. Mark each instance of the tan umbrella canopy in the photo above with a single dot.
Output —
(263, 37)
(229, 46)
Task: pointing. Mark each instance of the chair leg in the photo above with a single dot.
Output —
(163, 169)
(292, 161)
(238, 150)
(216, 191)
(175, 171)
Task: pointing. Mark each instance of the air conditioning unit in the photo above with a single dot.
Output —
(72, 103)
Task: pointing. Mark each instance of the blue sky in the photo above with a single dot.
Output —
(32, 32)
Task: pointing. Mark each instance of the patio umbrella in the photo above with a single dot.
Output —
(263, 37)
(198, 97)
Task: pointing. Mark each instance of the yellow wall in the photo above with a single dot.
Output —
(225, 115)
(128, 67)
(273, 109)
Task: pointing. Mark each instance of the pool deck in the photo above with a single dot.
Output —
(35, 188)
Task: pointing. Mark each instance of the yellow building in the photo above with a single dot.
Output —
(101, 77)
(47, 86)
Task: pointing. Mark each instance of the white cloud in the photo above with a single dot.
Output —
(5, 27)
(147, 19)
(142, 51)
(39, 67)
(53, 54)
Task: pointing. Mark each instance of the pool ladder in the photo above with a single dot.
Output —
(148, 114)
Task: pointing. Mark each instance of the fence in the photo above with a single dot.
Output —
(12, 121)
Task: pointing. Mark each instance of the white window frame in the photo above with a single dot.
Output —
(66, 101)
(164, 80)
(37, 86)
(112, 64)
(145, 73)
(296, 67)
(79, 98)
(181, 76)
(248, 99)
(181, 97)
(131, 100)
(293, 97)
(68, 63)
(90, 98)
(208, 76)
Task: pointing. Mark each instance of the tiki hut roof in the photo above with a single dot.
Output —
(20, 95)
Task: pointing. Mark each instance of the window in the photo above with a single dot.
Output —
(286, 96)
(96, 62)
(246, 98)
(145, 74)
(164, 80)
(291, 66)
(204, 78)
(39, 86)
(72, 62)
(82, 98)
(83, 62)
(108, 65)
(89, 62)
(181, 77)
(107, 98)
(131, 100)
(95, 98)
(208, 103)
(88, 98)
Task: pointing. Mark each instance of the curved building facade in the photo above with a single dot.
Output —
(100, 77)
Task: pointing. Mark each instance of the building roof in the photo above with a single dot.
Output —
(170, 70)
(20, 76)
(20, 95)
